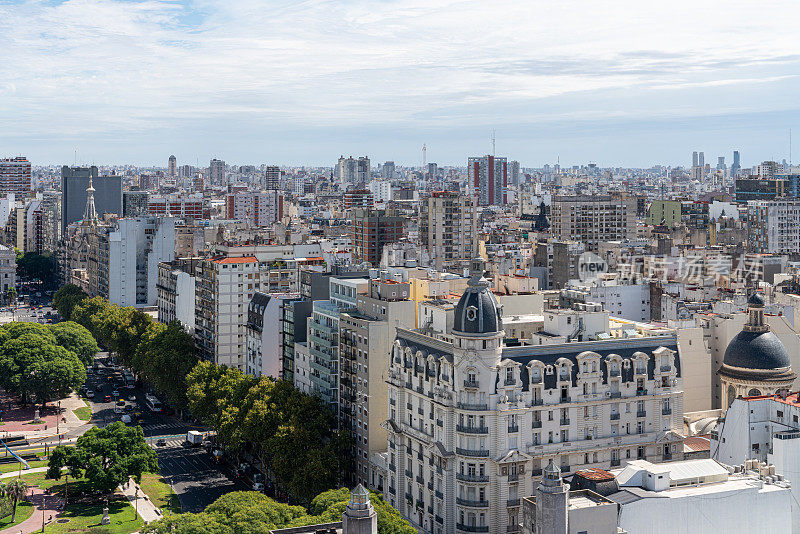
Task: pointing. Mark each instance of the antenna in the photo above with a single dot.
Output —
(493, 143)
(424, 157)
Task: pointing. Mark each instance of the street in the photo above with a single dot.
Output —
(192, 472)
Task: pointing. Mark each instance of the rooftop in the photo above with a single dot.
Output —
(240, 259)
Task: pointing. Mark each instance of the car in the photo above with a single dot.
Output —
(107, 398)
(161, 442)
(131, 397)
(90, 394)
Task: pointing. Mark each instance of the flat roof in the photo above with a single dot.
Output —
(240, 259)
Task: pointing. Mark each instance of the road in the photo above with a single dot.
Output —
(192, 472)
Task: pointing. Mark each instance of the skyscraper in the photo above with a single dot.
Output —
(15, 176)
(74, 184)
(353, 171)
(488, 177)
(701, 160)
(216, 172)
(736, 166)
(387, 171)
(694, 158)
(272, 177)
(172, 168)
(515, 174)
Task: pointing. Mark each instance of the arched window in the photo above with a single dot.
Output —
(753, 392)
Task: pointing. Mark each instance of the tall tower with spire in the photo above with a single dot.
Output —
(552, 497)
(90, 213)
(359, 517)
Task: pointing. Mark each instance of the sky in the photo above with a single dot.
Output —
(618, 83)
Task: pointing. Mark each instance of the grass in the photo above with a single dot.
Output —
(159, 492)
(24, 511)
(85, 509)
(8, 468)
(83, 413)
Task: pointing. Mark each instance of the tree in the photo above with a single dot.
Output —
(32, 364)
(187, 523)
(90, 313)
(16, 490)
(66, 298)
(10, 295)
(38, 266)
(107, 457)
(77, 339)
(164, 357)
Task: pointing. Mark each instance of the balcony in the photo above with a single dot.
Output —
(512, 502)
(439, 494)
(536, 424)
(472, 478)
(615, 416)
(472, 528)
(420, 480)
(472, 453)
(641, 392)
(537, 402)
(474, 407)
(666, 410)
(615, 462)
(565, 421)
(510, 382)
(471, 503)
(666, 368)
(641, 413)
(513, 428)
(513, 477)
(536, 379)
(566, 398)
(615, 394)
(471, 384)
(439, 520)
(613, 372)
(472, 429)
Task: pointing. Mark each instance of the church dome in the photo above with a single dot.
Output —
(761, 351)
(477, 311)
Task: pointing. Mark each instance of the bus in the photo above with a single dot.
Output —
(152, 403)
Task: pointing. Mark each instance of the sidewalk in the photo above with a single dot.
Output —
(147, 510)
(34, 523)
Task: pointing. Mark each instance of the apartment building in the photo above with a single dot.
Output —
(472, 423)
(177, 205)
(175, 291)
(487, 179)
(448, 229)
(15, 176)
(370, 230)
(593, 219)
(265, 333)
(257, 209)
(773, 226)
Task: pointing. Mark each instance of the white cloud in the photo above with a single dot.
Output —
(101, 65)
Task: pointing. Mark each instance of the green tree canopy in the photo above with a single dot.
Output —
(77, 339)
(164, 357)
(107, 457)
(66, 298)
(248, 512)
(38, 266)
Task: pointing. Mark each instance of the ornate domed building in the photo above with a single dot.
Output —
(755, 362)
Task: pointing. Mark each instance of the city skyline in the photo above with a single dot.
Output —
(302, 83)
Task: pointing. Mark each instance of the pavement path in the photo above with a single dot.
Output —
(42, 501)
(147, 510)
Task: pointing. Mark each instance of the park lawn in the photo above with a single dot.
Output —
(9, 468)
(24, 511)
(159, 492)
(84, 517)
(84, 413)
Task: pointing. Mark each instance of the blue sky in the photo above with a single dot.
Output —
(301, 82)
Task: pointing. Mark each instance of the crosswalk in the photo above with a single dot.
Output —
(172, 442)
(164, 427)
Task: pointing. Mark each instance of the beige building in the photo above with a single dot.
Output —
(448, 229)
(593, 219)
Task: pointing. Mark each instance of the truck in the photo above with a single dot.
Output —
(194, 438)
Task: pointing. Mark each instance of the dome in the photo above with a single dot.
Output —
(477, 311)
(756, 350)
(756, 299)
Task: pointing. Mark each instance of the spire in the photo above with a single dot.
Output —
(90, 214)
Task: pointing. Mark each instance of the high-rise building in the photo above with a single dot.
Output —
(695, 159)
(258, 209)
(371, 230)
(358, 198)
(15, 176)
(353, 171)
(448, 229)
(592, 219)
(514, 171)
(178, 205)
(736, 167)
(272, 177)
(387, 171)
(216, 172)
(431, 171)
(773, 226)
(134, 203)
(701, 160)
(487, 179)
(172, 167)
(74, 185)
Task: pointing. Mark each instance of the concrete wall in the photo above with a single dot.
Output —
(696, 370)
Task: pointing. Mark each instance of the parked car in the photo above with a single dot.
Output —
(107, 398)
(90, 394)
